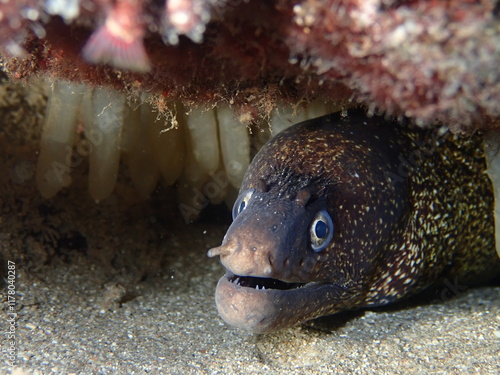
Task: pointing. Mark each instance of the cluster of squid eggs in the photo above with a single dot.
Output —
(203, 151)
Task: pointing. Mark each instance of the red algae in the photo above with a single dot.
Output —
(429, 61)
(119, 40)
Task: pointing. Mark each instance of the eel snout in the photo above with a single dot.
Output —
(247, 296)
(255, 301)
(241, 260)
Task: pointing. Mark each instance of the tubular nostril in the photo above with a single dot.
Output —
(220, 250)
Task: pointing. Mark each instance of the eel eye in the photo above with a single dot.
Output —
(242, 202)
(321, 231)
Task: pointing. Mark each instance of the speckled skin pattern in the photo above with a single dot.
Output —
(410, 208)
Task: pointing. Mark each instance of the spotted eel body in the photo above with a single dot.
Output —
(342, 212)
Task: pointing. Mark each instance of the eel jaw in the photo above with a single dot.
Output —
(263, 305)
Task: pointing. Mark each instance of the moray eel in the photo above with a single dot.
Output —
(342, 212)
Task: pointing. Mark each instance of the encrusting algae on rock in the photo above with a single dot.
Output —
(342, 212)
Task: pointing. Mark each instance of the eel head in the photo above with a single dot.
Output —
(314, 210)
(271, 282)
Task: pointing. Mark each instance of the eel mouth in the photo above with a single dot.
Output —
(261, 283)
(263, 305)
